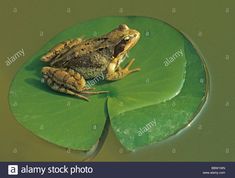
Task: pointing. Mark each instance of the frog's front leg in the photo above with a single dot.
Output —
(67, 81)
(60, 48)
(113, 74)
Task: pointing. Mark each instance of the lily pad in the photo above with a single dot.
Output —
(167, 90)
(147, 125)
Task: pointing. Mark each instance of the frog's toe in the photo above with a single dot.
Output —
(134, 70)
(94, 92)
(88, 88)
(129, 64)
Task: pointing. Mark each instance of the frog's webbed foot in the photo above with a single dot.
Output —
(120, 73)
(60, 49)
(66, 81)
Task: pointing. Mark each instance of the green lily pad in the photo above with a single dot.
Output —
(60, 119)
(147, 125)
(167, 90)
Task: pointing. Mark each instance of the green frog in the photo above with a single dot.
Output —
(74, 61)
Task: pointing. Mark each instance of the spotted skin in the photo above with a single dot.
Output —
(67, 81)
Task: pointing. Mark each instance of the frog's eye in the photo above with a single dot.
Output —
(126, 38)
(123, 27)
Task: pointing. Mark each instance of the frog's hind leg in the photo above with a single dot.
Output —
(60, 48)
(66, 81)
(62, 89)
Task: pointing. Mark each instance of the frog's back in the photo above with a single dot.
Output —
(90, 65)
(88, 58)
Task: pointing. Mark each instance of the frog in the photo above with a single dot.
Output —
(73, 62)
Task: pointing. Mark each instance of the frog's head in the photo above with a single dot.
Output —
(123, 38)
